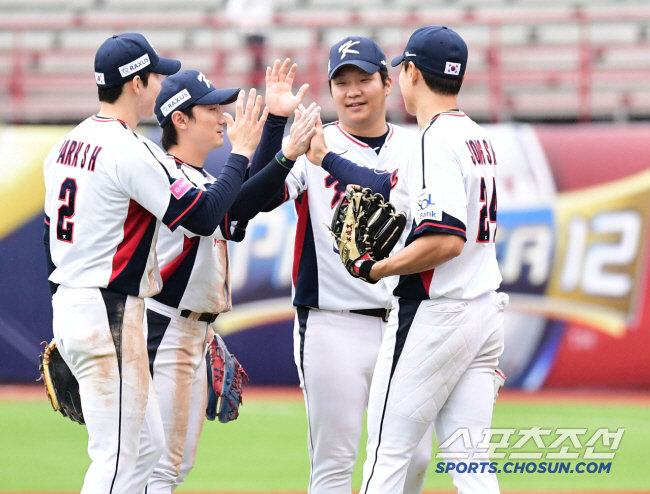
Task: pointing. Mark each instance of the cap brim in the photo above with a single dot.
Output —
(219, 97)
(367, 67)
(166, 66)
(398, 60)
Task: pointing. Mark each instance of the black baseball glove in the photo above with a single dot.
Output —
(61, 387)
(366, 229)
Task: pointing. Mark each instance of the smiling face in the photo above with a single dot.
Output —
(207, 127)
(359, 98)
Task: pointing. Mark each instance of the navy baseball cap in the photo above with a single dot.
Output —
(121, 57)
(436, 49)
(356, 50)
(186, 88)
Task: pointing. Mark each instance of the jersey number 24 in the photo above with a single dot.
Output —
(487, 215)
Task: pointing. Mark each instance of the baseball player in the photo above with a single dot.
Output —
(196, 270)
(107, 191)
(439, 355)
(339, 320)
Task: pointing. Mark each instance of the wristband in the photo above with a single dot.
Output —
(283, 161)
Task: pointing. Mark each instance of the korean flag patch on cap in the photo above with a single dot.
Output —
(452, 68)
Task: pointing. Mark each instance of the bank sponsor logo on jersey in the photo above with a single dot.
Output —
(452, 68)
(135, 66)
(346, 48)
(99, 78)
(427, 208)
(180, 187)
(173, 102)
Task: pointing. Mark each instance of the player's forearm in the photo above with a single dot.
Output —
(425, 253)
(347, 172)
(270, 143)
(258, 191)
(218, 198)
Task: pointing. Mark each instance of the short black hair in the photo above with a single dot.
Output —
(111, 94)
(383, 73)
(169, 135)
(438, 84)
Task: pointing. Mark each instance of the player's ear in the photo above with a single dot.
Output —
(180, 120)
(136, 85)
(388, 85)
(414, 73)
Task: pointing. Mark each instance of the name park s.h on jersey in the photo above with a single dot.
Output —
(107, 190)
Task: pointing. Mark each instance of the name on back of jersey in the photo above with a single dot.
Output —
(478, 156)
(71, 154)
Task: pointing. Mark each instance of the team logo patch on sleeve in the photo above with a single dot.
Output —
(452, 68)
(180, 187)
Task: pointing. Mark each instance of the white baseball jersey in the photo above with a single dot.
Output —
(448, 185)
(195, 270)
(107, 189)
(319, 278)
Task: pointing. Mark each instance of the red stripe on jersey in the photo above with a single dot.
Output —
(226, 226)
(135, 226)
(438, 225)
(392, 130)
(426, 277)
(188, 208)
(47, 222)
(350, 137)
(168, 270)
(302, 208)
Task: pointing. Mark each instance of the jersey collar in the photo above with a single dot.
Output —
(363, 144)
(180, 162)
(98, 118)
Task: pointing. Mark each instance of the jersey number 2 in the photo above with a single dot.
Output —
(487, 216)
(68, 194)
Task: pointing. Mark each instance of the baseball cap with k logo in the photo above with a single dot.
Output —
(356, 50)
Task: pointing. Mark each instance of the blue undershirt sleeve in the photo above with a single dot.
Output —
(270, 142)
(347, 172)
(218, 198)
(258, 191)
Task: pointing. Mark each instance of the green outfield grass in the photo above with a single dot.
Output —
(266, 449)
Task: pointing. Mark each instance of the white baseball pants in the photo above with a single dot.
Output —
(335, 353)
(176, 347)
(99, 335)
(436, 365)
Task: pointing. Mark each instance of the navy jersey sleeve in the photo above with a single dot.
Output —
(270, 143)
(347, 172)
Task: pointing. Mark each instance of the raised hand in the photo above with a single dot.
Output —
(301, 132)
(279, 81)
(245, 130)
(317, 147)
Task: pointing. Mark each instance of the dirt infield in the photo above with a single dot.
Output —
(36, 392)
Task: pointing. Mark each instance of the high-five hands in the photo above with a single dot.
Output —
(302, 131)
(279, 81)
(317, 147)
(245, 130)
